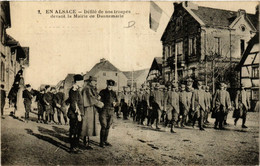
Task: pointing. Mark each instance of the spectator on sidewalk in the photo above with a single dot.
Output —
(27, 96)
(3, 96)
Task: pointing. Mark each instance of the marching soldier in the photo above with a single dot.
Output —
(27, 96)
(184, 109)
(158, 98)
(199, 105)
(109, 98)
(221, 103)
(75, 112)
(226, 114)
(189, 97)
(172, 107)
(145, 104)
(208, 105)
(242, 105)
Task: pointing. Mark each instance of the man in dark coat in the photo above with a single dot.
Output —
(27, 96)
(221, 103)
(109, 98)
(242, 106)
(47, 98)
(199, 102)
(75, 111)
(3, 97)
(59, 102)
(40, 105)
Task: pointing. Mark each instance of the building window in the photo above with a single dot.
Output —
(179, 48)
(255, 72)
(116, 74)
(2, 76)
(104, 74)
(168, 51)
(255, 94)
(192, 46)
(217, 45)
(242, 46)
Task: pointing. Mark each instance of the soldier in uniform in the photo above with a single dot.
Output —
(60, 105)
(189, 97)
(242, 104)
(27, 96)
(221, 103)
(208, 105)
(75, 112)
(226, 114)
(109, 98)
(158, 98)
(184, 109)
(199, 105)
(172, 107)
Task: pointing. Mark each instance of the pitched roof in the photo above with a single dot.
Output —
(104, 65)
(215, 17)
(219, 17)
(157, 64)
(251, 43)
(136, 73)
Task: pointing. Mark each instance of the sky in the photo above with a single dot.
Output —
(59, 46)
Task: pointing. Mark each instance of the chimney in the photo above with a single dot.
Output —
(241, 12)
(257, 11)
(102, 60)
(189, 5)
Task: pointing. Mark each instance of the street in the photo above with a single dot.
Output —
(40, 144)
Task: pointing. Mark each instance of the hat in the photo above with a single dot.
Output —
(199, 83)
(78, 77)
(111, 82)
(91, 79)
(27, 85)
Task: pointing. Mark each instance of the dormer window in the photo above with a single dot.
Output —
(242, 28)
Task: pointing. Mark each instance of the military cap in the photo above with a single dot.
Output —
(27, 85)
(199, 83)
(111, 82)
(78, 77)
(47, 86)
(91, 78)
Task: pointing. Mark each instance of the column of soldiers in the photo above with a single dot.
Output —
(179, 108)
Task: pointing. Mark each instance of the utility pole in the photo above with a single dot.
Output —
(213, 75)
(175, 70)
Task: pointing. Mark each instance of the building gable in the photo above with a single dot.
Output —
(242, 22)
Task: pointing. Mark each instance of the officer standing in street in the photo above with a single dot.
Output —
(221, 103)
(158, 98)
(40, 105)
(27, 96)
(109, 98)
(199, 105)
(242, 105)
